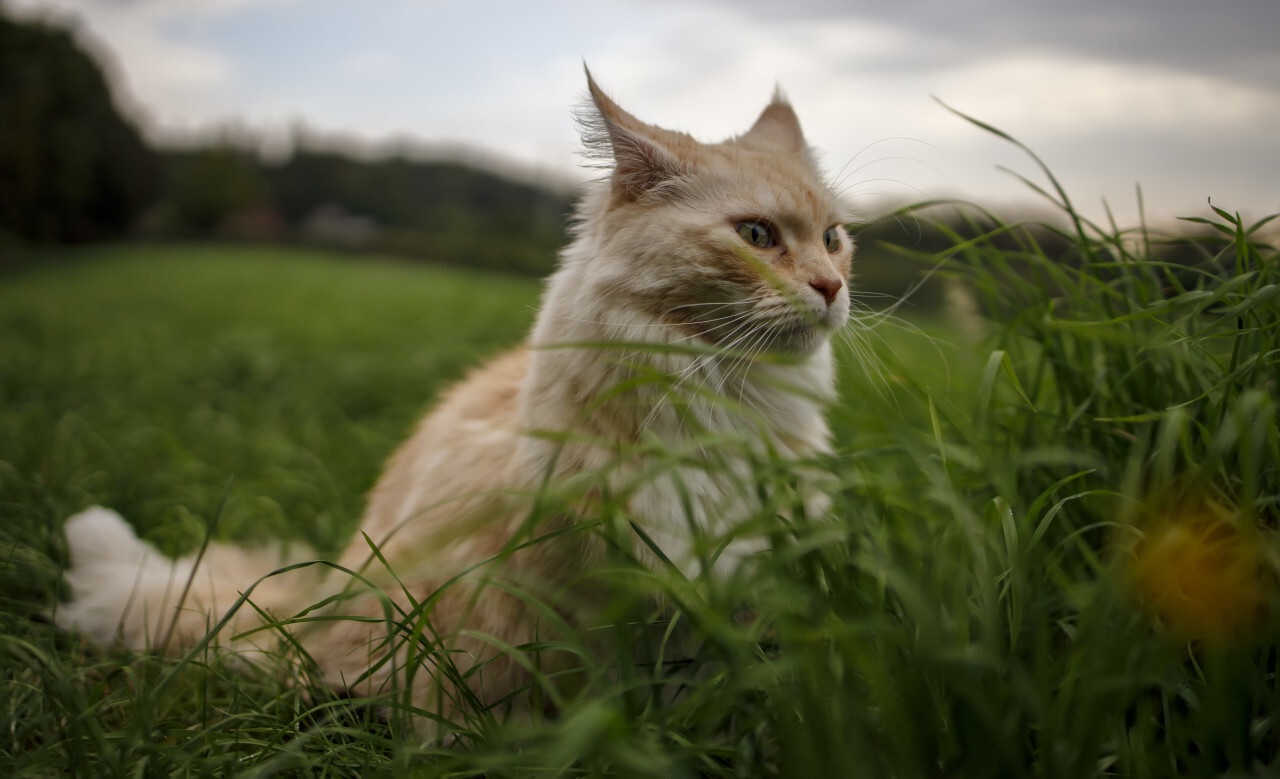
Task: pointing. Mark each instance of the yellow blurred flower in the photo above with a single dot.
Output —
(1201, 577)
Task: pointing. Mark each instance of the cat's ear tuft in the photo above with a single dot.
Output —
(778, 126)
(634, 150)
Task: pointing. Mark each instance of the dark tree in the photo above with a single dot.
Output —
(441, 210)
(72, 168)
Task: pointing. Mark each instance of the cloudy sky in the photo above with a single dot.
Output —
(1180, 96)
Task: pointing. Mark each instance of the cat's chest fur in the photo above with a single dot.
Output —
(680, 447)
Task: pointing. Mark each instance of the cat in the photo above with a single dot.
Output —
(689, 265)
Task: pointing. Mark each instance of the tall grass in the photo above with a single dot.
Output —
(1052, 551)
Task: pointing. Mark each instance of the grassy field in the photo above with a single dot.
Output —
(147, 378)
(1053, 551)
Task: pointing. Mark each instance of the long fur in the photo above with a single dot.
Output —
(652, 329)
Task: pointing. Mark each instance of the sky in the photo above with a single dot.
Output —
(1181, 97)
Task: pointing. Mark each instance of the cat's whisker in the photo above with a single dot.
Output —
(849, 169)
(615, 325)
(742, 355)
(850, 191)
(726, 305)
(738, 302)
(890, 158)
(859, 347)
(839, 176)
(859, 295)
(749, 353)
(843, 189)
(611, 294)
(906, 296)
(708, 366)
(734, 322)
(724, 319)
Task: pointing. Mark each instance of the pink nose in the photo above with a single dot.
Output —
(828, 288)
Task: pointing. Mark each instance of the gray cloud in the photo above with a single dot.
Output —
(1234, 40)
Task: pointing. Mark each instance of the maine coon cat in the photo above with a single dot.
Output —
(689, 263)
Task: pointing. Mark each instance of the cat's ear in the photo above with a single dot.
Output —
(778, 127)
(640, 159)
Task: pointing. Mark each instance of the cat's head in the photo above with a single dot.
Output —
(740, 243)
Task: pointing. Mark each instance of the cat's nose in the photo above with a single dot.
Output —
(828, 288)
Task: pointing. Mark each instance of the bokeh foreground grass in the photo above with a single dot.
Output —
(1052, 553)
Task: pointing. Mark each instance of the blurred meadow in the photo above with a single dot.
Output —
(1053, 550)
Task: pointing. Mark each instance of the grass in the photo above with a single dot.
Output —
(147, 377)
(1053, 551)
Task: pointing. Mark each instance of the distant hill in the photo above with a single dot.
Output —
(438, 210)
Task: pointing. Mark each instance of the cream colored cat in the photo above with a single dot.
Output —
(690, 264)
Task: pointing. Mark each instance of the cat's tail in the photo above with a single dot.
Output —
(124, 591)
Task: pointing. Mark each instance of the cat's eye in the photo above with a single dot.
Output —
(756, 233)
(831, 239)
